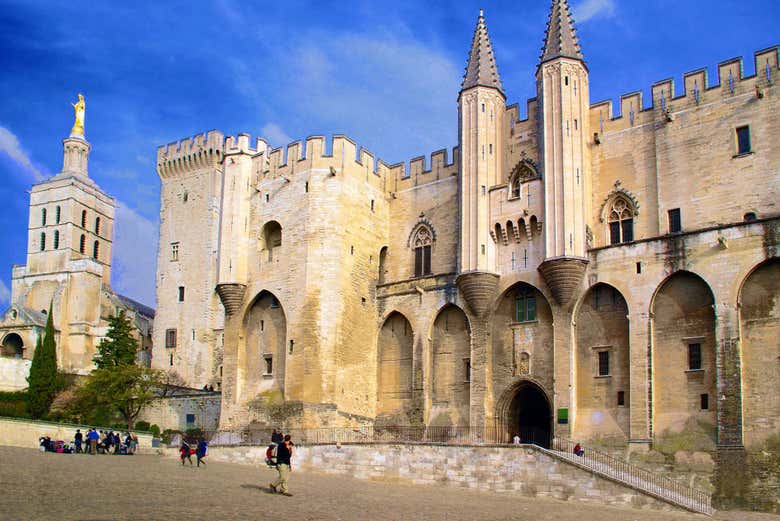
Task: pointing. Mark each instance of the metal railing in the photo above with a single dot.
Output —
(629, 474)
(634, 476)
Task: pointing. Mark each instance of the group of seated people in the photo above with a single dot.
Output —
(102, 442)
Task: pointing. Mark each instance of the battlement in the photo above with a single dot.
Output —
(190, 154)
(731, 81)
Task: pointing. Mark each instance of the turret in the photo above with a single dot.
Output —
(563, 93)
(480, 122)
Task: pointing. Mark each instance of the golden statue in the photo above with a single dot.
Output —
(78, 126)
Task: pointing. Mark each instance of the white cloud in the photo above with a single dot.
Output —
(9, 144)
(275, 135)
(588, 9)
(135, 255)
(5, 294)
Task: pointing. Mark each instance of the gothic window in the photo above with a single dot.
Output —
(97, 225)
(95, 250)
(56, 239)
(272, 235)
(514, 190)
(57, 214)
(82, 244)
(422, 242)
(174, 251)
(83, 218)
(525, 306)
(621, 221)
(43, 216)
(43, 241)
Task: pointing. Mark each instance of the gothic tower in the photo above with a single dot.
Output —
(480, 122)
(562, 87)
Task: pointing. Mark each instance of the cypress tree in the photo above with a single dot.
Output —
(44, 381)
(118, 347)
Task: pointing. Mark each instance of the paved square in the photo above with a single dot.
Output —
(61, 487)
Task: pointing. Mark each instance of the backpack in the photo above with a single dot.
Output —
(270, 455)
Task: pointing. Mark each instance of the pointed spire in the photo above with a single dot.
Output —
(561, 38)
(481, 68)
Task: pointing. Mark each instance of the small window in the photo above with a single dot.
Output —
(170, 359)
(185, 196)
(262, 325)
(675, 221)
(743, 140)
(174, 251)
(372, 205)
(621, 399)
(43, 216)
(749, 217)
(56, 239)
(566, 80)
(190, 419)
(57, 214)
(43, 241)
(467, 370)
(170, 338)
(83, 244)
(181, 293)
(490, 148)
(306, 187)
(269, 364)
(292, 345)
(603, 363)
(274, 302)
(638, 268)
(97, 225)
(83, 218)
(525, 306)
(705, 402)
(267, 197)
(483, 107)
(694, 357)
(95, 250)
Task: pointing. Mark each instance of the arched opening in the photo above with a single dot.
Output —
(394, 371)
(451, 368)
(56, 239)
(97, 225)
(262, 361)
(84, 219)
(382, 265)
(272, 237)
(57, 215)
(95, 250)
(759, 315)
(530, 415)
(684, 392)
(422, 243)
(603, 365)
(621, 220)
(43, 216)
(13, 346)
(82, 244)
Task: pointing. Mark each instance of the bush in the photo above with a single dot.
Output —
(14, 404)
(142, 425)
(167, 433)
(194, 432)
(155, 430)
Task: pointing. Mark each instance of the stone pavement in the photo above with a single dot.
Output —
(61, 487)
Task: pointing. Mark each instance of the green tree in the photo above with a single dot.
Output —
(44, 381)
(119, 347)
(125, 389)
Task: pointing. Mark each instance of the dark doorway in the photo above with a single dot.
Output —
(530, 415)
(13, 346)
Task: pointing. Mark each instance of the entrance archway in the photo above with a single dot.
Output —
(13, 346)
(529, 415)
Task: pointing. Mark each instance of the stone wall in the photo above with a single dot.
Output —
(171, 412)
(25, 433)
(522, 470)
(13, 373)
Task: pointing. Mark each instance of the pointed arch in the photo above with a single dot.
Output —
(264, 347)
(619, 211)
(422, 241)
(450, 367)
(272, 238)
(525, 408)
(394, 368)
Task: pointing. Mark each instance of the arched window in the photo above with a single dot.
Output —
(422, 242)
(57, 214)
(43, 216)
(95, 250)
(56, 239)
(272, 234)
(382, 264)
(83, 244)
(525, 305)
(97, 225)
(514, 188)
(621, 221)
(43, 241)
(83, 218)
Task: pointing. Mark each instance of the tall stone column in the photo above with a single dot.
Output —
(639, 345)
(562, 361)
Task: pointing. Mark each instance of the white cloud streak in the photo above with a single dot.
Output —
(9, 144)
(588, 9)
(135, 255)
(5, 294)
(275, 135)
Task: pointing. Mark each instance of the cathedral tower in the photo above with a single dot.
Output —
(480, 122)
(563, 93)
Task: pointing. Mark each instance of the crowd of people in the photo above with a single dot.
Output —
(94, 442)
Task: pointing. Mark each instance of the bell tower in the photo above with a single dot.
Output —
(481, 107)
(563, 93)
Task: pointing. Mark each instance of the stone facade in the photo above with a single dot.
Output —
(68, 271)
(610, 277)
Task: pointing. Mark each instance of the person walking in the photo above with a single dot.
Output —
(283, 466)
(200, 452)
(184, 452)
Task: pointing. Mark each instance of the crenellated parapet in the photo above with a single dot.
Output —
(697, 90)
(191, 154)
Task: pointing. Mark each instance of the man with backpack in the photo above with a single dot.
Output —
(284, 453)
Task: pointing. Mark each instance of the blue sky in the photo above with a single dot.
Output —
(385, 73)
